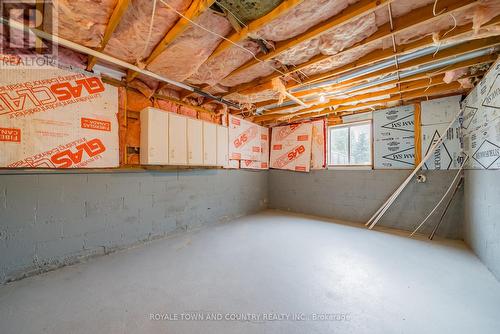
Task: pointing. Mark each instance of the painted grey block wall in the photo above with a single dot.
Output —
(482, 216)
(47, 220)
(355, 195)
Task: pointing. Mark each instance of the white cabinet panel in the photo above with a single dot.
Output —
(177, 137)
(195, 141)
(209, 144)
(154, 137)
(222, 146)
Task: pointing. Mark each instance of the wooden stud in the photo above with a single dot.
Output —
(447, 53)
(418, 133)
(116, 16)
(196, 9)
(255, 25)
(350, 14)
(418, 17)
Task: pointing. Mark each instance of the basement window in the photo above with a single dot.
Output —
(350, 145)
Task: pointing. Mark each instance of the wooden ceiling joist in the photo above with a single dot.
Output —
(461, 49)
(350, 14)
(403, 88)
(196, 9)
(255, 25)
(418, 17)
(454, 87)
(114, 20)
(381, 55)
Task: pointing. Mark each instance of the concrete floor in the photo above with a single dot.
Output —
(274, 263)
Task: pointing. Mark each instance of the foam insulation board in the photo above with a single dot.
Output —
(244, 139)
(318, 144)
(448, 155)
(393, 133)
(53, 118)
(291, 147)
(440, 111)
(436, 115)
(357, 117)
(481, 122)
(263, 162)
(233, 164)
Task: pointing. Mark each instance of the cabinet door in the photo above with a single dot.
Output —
(154, 137)
(195, 141)
(222, 146)
(177, 139)
(209, 144)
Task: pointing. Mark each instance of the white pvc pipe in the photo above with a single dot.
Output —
(91, 52)
(376, 217)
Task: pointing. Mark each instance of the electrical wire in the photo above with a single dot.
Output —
(150, 29)
(226, 39)
(232, 14)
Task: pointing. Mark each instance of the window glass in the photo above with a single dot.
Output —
(350, 144)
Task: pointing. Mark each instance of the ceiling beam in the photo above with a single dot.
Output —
(403, 88)
(349, 14)
(453, 87)
(461, 49)
(418, 17)
(114, 20)
(255, 25)
(196, 9)
(380, 55)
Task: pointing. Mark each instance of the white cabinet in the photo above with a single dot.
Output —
(195, 141)
(154, 137)
(177, 138)
(209, 144)
(222, 146)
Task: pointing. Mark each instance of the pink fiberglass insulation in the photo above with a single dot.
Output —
(340, 60)
(454, 75)
(186, 53)
(332, 41)
(218, 68)
(259, 70)
(441, 24)
(400, 8)
(265, 95)
(82, 21)
(301, 18)
(142, 87)
(130, 42)
(484, 12)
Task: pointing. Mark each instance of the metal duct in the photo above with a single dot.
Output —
(385, 64)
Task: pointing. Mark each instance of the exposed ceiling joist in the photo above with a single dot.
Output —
(255, 25)
(380, 55)
(483, 60)
(418, 17)
(350, 14)
(403, 88)
(461, 49)
(196, 9)
(114, 20)
(436, 90)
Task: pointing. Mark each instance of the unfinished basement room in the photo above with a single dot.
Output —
(249, 166)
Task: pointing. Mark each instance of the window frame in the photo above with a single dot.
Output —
(350, 166)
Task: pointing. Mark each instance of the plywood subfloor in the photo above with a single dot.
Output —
(274, 263)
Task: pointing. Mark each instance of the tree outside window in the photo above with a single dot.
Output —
(350, 145)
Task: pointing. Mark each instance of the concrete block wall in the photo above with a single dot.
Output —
(482, 216)
(48, 220)
(355, 195)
